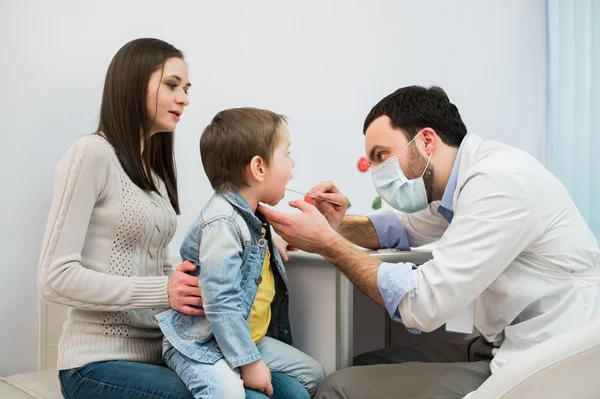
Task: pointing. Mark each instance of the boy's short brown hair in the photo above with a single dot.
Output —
(232, 139)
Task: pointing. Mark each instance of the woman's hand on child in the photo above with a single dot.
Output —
(257, 375)
(184, 292)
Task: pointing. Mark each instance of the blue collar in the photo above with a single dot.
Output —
(256, 221)
(446, 209)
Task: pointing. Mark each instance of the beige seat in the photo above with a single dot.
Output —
(565, 366)
(39, 385)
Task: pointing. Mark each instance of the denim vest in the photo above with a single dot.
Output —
(226, 242)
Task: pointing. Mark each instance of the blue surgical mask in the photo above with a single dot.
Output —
(394, 188)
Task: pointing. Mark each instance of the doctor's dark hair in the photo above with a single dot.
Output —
(414, 108)
(124, 119)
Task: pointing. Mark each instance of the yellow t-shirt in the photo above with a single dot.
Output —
(260, 315)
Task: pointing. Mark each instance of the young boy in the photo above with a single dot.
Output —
(246, 331)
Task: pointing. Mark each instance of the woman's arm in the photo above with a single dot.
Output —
(80, 181)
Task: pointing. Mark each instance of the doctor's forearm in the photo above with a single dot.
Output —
(359, 230)
(359, 267)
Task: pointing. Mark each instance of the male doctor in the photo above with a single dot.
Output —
(515, 258)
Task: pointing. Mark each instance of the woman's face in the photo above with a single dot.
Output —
(167, 95)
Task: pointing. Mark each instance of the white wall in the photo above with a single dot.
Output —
(322, 63)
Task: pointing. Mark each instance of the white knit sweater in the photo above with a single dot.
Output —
(104, 255)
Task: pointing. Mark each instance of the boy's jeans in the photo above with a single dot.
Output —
(219, 380)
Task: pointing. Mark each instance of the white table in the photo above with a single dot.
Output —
(321, 305)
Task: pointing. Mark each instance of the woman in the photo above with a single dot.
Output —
(105, 247)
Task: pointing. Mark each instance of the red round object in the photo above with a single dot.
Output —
(309, 200)
(363, 165)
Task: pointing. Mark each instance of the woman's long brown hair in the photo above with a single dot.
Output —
(124, 116)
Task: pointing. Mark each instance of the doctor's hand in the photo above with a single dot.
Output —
(333, 213)
(308, 231)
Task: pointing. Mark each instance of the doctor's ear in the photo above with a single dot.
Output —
(430, 139)
(257, 168)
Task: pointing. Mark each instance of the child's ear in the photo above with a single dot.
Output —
(257, 168)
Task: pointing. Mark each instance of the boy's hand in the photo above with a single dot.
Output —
(257, 375)
(282, 247)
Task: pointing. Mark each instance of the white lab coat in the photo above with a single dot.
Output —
(517, 247)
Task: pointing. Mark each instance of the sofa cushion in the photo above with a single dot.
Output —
(9, 392)
(39, 385)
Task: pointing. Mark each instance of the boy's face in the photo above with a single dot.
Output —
(279, 171)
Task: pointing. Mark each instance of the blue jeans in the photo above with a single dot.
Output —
(220, 380)
(125, 380)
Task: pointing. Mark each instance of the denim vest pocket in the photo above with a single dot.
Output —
(195, 328)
